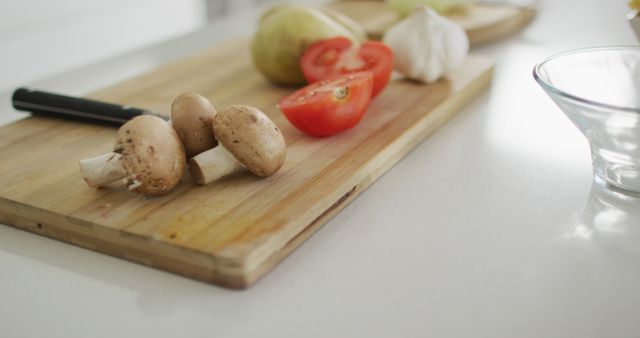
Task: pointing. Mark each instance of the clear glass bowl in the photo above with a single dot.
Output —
(598, 89)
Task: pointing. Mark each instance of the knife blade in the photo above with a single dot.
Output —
(56, 105)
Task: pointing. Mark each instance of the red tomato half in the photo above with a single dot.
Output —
(330, 106)
(332, 57)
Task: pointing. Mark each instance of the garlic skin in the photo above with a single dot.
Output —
(426, 45)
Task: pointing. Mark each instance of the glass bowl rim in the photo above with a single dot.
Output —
(551, 88)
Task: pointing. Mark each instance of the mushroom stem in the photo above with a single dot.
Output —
(213, 164)
(101, 170)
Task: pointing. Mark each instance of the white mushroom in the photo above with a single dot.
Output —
(248, 138)
(147, 154)
(191, 117)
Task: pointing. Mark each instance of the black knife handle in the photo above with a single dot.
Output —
(74, 108)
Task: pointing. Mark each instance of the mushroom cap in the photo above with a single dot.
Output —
(191, 117)
(252, 138)
(152, 154)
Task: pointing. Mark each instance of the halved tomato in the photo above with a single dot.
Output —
(331, 57)
(330, 106)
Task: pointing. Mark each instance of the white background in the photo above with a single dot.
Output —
(482, 231)
(40, 38)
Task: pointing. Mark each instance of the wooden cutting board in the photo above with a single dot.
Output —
(231, 232)
(483, 23)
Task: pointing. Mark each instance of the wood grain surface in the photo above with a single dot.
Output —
(483, 23)
(231, 232)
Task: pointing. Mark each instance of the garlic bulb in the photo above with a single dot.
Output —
(427, 45)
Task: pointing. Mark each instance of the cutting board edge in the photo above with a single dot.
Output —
(137, 249)
(498, 30)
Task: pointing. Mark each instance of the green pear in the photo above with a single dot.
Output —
(283, 35)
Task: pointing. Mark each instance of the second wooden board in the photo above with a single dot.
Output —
(483, 23)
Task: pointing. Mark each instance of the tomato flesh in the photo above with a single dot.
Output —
(329, 106)
(332, 57)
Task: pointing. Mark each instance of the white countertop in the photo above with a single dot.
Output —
(487, 229)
